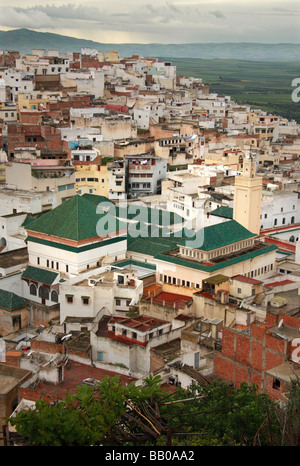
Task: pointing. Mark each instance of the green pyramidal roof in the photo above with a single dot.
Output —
(76, 219)
(11, 301)
(39, 275)
(222, 234)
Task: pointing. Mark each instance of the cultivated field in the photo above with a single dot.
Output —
(265, 85)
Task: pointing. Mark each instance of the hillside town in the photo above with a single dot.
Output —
(148, 226)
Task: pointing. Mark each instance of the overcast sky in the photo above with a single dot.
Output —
(178, 21)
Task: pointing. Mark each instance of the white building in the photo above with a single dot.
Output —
(109, 290)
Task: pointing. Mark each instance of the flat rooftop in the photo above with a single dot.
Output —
(171, 300)
(73, 376)
(107, 278)
(11, 258)
(10, 377)
(292, 306)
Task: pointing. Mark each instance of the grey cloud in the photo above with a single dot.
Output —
(217, 14)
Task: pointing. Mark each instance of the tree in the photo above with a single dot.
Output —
(90, 416)
(228, 415)
(289, 416)
(83, 418)
(113, 414)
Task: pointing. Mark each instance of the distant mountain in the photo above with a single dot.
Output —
(24, 40)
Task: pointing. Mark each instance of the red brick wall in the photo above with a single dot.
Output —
(32, 395)
(12, 361)
(291, 321)
(78, 353)
(223, 367)
(242, 349)
(246, 358)
(228, 343)
(275, 394)
(46, 347)
(272, 360)
(88, 62)
(271, 319)
(256, 355)
(241, 374)
(275, 344)
(31, 118)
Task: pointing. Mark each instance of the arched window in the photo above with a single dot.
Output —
(54, 296)
(293, 219)
(292, 238)
(32, 289)
(43, 292)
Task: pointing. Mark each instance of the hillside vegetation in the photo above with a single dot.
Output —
(265, 85)
(25, 39)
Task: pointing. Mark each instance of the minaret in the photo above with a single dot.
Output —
(247, 196)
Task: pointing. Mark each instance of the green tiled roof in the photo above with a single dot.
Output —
(98, 200)
(30, 218)
(39, 275)
(10, 301)
(146, 215)
(127, 262)
(221, 265)
(222, 234)
(76, 219)
(223, 211)
(152, 245)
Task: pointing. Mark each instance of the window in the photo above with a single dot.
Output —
(124, 332)
(118, 302)
(38, 261)
(54, 296)
(43, 292)
(128, 301)
(16, 321)
(239, 290)
(134, 335)
(276, 384)
(99, 355)
(32, 290)
(69, 298)
(85, 300)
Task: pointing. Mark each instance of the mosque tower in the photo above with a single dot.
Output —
(247, 196)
